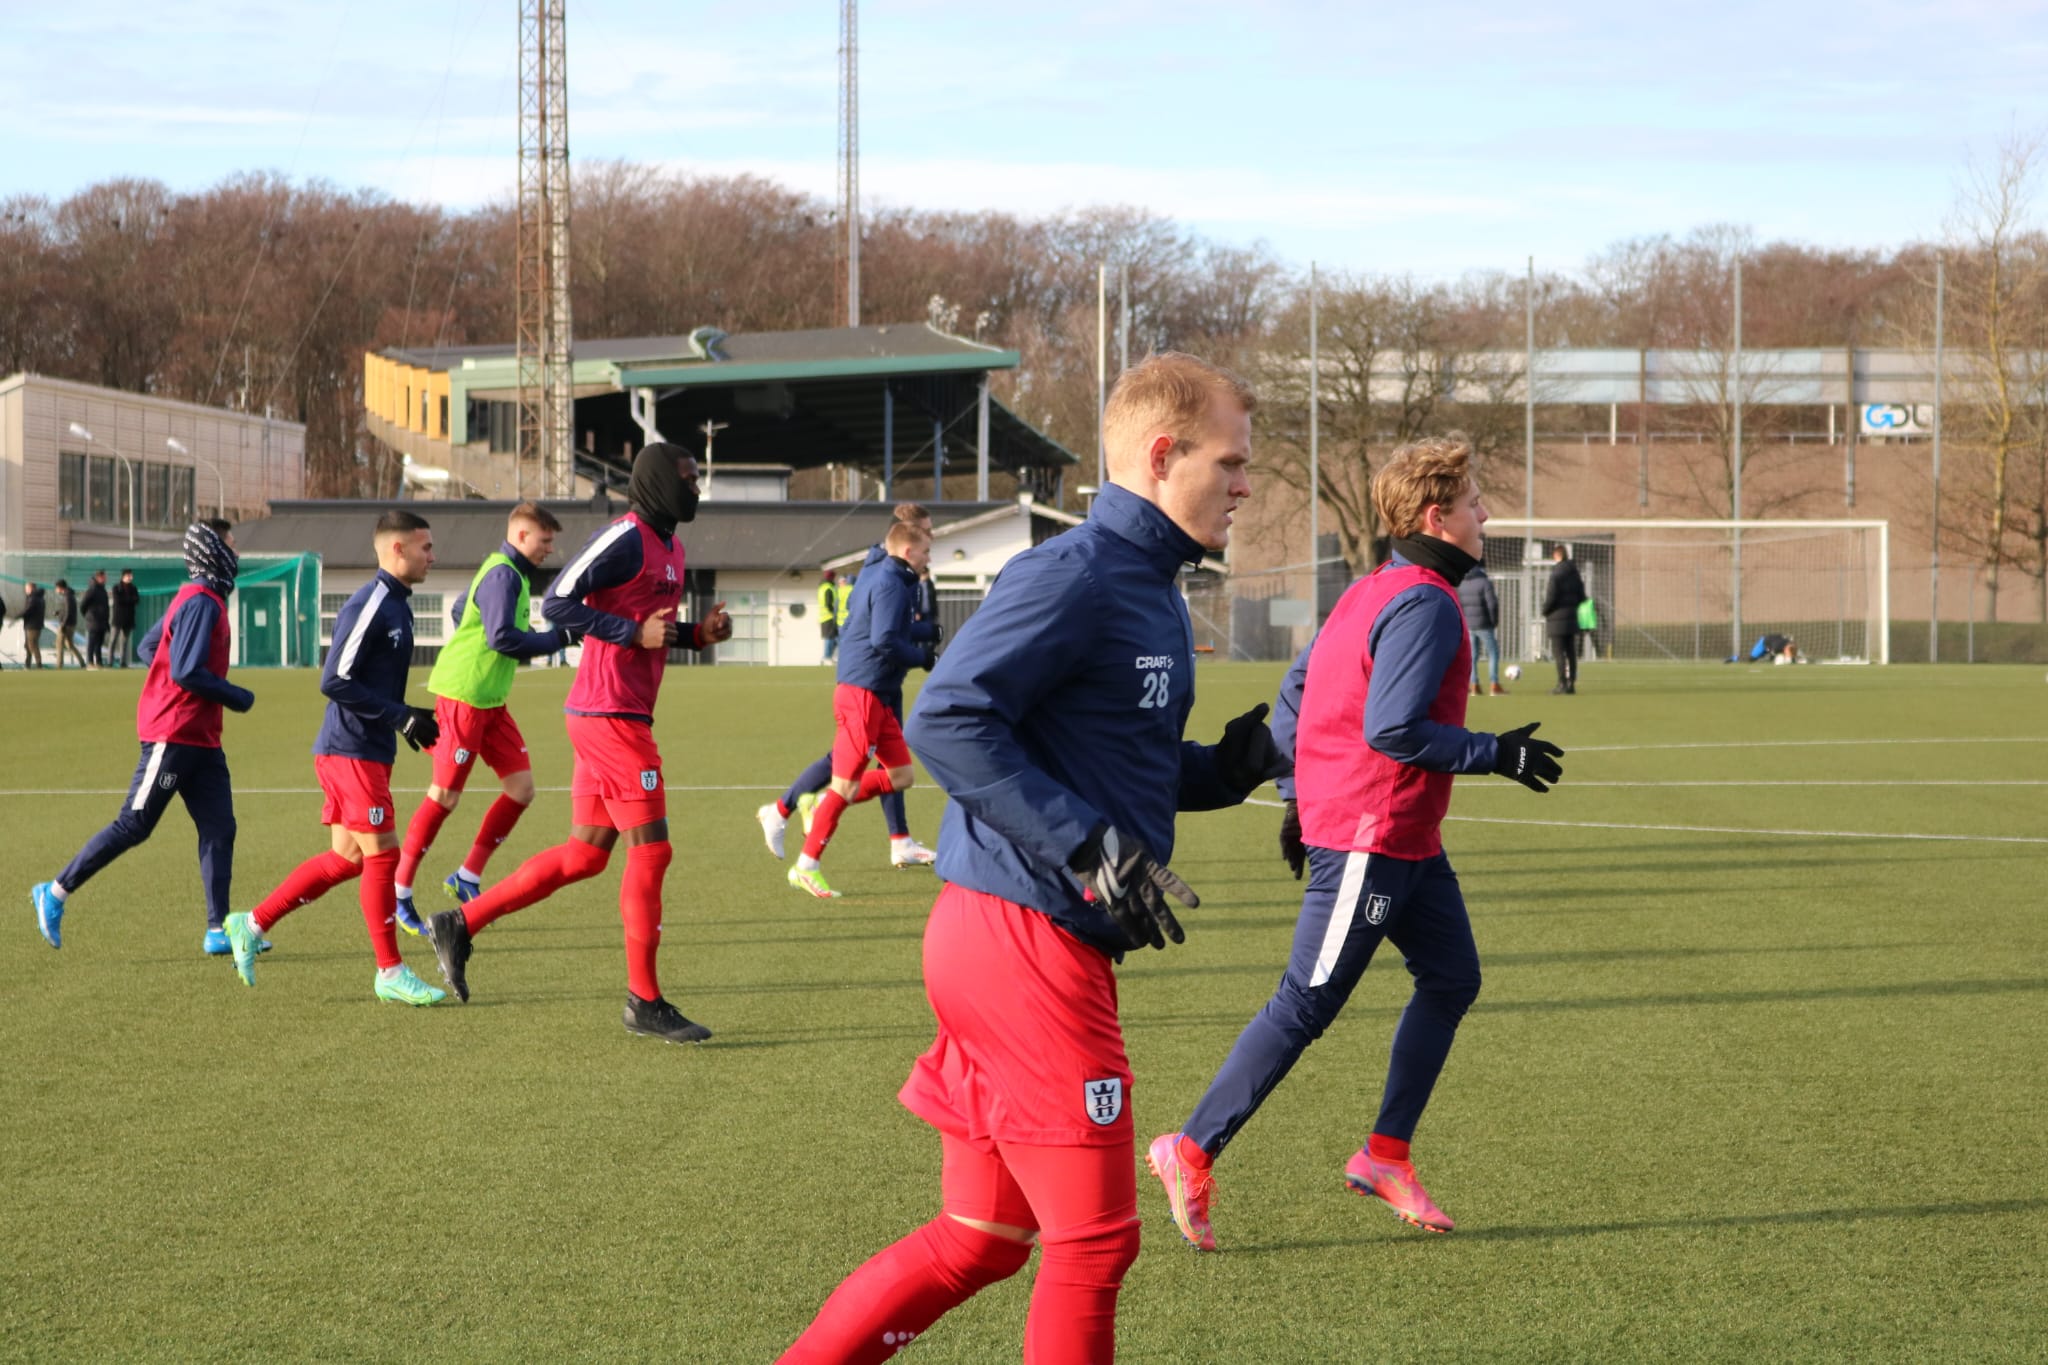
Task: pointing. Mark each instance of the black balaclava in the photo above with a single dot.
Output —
(657, 491)
(1433, 553)
(208, 559)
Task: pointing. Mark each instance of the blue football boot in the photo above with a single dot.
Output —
(49, 913)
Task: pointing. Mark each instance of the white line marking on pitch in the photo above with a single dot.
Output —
(1803, 743)
(1726, 829)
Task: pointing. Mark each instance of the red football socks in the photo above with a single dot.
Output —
(538, 878)
(1386, 1148)
(497, 827)
(419, 837)
(831, 805)
(1193, 1155)
(824, 822)
(640, 910)
(905, 1288)
(380, 905)
(308, 882)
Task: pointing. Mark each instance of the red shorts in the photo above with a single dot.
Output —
(865, 727)
(1029, 1049)
(618, 781)
(472, 732)
(358, 793)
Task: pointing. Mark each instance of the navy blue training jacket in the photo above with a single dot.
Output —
(364, 680)
(1060, 705)
(881, 641)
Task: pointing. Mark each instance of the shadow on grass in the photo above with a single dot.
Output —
(1790, 1218)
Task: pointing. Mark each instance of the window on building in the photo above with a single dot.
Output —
(70, 486)
(181, 507)
(99, 499)
(156, 495)
(444, 415)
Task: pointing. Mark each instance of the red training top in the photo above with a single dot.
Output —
(1352, 796)
(166, 713)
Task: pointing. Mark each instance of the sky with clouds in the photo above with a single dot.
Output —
(1434, 138)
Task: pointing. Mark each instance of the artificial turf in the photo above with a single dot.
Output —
(1725, 1095)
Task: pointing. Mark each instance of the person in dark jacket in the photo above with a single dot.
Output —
(1376, 741)
(95, 608)
(1561, 618)
(67, 621)
(1056, 725)
(1482, 617)
(124, 596)
(884, 641)
(802, 797)
(178, 720)
(364, 682)
(32, 609)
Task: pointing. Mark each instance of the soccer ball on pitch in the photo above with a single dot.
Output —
(1513, 672)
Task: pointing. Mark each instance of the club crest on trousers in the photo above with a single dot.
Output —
(1376, 908)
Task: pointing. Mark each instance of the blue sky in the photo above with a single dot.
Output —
(1430, 138)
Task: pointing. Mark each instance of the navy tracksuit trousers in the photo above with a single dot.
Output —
(1353, 901)
(198, 774)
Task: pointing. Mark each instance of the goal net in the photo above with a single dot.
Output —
(1699, 591)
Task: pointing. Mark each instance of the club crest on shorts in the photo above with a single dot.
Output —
(376, 816)
(1376, 908)
(650, 779)
(1105, 1100)
(462, 757)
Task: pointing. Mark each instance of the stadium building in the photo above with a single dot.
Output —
(84, 468)
(906, 406)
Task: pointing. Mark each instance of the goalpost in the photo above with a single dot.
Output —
(1702, 591)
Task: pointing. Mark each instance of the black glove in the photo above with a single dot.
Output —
(1247, 755)
(568, 636)
(938, 632)
(1132, 886)
(931, 658)
(420, 728)
(1530, 761)
(243, 700)
(1292, 850)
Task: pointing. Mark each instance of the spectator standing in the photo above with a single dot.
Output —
(1482, 617)
(32, 608)
(1561, 619)
(125, 596)
(829, 599)
(67, 621)
(96, 608)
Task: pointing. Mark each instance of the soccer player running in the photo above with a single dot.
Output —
(1062, 752)
(802, 797)
(1379, 735)
(621, 594)
(364, 683)
(882, 642)
(471, 680)
(178, 720)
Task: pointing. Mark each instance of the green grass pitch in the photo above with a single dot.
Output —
(1737, 1086)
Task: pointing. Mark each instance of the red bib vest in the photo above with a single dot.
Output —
(1351, 796)
(166, 713)
(623, 680)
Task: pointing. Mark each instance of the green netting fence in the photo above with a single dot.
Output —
(276, 605)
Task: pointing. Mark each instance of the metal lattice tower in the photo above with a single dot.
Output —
(848, 252)
(547, 428)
